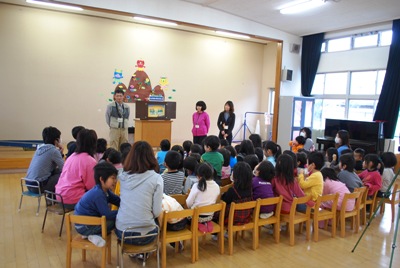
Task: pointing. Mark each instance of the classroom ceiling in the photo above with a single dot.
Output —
(334, 15)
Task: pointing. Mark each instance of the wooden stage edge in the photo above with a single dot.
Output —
(14, 163)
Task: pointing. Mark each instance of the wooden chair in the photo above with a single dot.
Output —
(223, 190)
(371, 202)
(55, 206)
(364, 191)
(25, 183)
(218, 228)
(295, 217)
(181, 198)
(354, 214)
(252, 225)
(176, 236)
(321, 214)
(124, 248)
(274, 219)
(393, 199)
(84, 244)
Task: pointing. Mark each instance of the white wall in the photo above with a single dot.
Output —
(56, 69)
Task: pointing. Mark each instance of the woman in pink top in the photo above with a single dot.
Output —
(77, 176)
(201, 123)
(332, 185)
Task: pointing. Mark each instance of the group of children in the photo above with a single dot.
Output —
(256, 169)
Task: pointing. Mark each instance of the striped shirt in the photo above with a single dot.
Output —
(173, 182)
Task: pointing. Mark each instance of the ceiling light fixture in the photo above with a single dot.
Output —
(54, 5)
(300, 6)
(163, 22)
(233, 34)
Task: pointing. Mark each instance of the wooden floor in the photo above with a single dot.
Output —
(23, 245)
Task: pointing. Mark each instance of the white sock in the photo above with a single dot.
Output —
(97, 240)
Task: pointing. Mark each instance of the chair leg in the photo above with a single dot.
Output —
(230, 241)
(62, 224)
(20, 203)
(37, 212)
(291, 232)
(118, 260)
(103, 257)
(193, 248)
(164, 255)
(255, 238)
(221, 242)
(342, 226)
(83, 254)
(109, 250)
(69, 254)
(44, 221)
(315, 230)
(308, 229)
(393, 211)
(333, 226)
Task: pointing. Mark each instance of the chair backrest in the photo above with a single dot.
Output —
(222, 190)
(277, 201)
(176, 214)
(363, 194)
(181, 198)
(86, 220)
(395, 196)
(218, 207)
(25, 183)
(241, 211)
(53, 198)
(299, 201)
(355, 195)
(326, 198)
(125, 235)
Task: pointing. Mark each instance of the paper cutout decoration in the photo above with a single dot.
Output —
(140, 65)
(117, 76)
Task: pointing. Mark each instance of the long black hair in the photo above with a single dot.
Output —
(204, 173)
(284, 168)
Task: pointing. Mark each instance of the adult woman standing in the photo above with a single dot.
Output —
(141, 193)
(226, 122)
(201, 123)
(77, 176)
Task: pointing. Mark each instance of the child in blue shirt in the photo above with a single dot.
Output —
(95, 202)
(165, 146)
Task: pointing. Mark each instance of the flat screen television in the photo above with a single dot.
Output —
(358, 130)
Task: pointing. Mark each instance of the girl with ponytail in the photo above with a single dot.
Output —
(205, 191)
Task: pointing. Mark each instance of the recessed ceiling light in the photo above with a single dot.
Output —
(233, 34)
(301, 6)
(54, 5)
(163, 22)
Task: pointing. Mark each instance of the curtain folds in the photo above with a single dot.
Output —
(310, 55)
(389, 101)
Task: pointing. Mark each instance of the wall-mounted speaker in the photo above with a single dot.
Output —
(287, 75)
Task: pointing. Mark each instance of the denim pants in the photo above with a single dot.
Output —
(87, 230)
(137, 241)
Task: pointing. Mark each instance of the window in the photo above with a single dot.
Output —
(366, 40)
(346, 95)
(386, 38)
(369, 39)
(339, 44)
(363, 83)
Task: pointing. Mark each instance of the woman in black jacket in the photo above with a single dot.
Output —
(226, 122)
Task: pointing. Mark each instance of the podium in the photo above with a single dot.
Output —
(153, 121)
(153, 131)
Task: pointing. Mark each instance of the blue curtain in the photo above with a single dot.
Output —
(389, 100)
(310, 55)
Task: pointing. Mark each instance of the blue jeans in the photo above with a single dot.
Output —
(87, 230)
(137, 241)
(301, 207)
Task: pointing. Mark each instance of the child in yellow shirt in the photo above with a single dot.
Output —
(313, 185)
